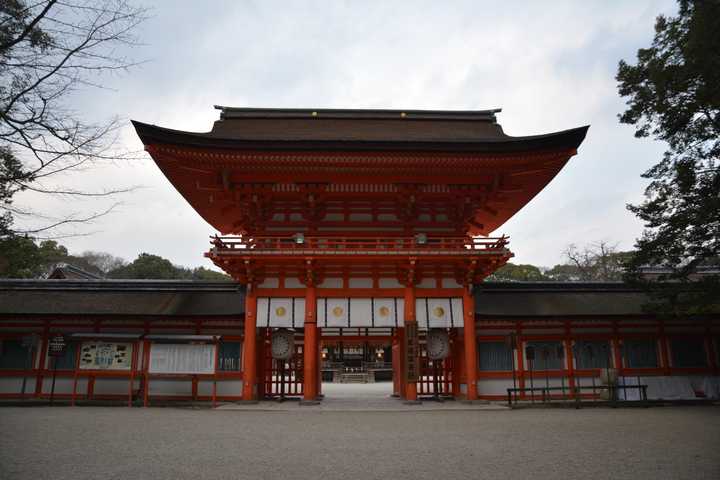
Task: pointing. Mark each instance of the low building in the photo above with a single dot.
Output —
(159, 340)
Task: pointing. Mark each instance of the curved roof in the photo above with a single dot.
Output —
(359, 130)
(331, 146)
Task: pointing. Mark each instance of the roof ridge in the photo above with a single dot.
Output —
(487, 115)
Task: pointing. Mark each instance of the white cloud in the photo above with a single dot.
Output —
(550, 66)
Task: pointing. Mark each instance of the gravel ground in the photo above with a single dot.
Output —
(173, 443)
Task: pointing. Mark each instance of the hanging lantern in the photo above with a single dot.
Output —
(283, 344)
(438, 344)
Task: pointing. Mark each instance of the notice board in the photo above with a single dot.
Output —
(182, 358)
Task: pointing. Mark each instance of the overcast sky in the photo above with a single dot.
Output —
(549, 65)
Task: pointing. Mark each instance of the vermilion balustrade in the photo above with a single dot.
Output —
(430, 243)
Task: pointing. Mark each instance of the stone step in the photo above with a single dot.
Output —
(354, 378)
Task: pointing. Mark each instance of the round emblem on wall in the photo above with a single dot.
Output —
(438, 344)
(439, 312)
(282, 344)
(280, 311)
(384, 311)
(337, 311)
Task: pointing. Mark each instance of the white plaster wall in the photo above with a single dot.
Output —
(450, 283)
(427, 283)
(161, 386)
(361, 283)
(113, 386)
(270, 283)
(14, 384)
(292, 282)
(494, 386)
(224, 387)
(389, 283)
(63, 385)
(332, 282)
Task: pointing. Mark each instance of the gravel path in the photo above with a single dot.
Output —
(173, 443)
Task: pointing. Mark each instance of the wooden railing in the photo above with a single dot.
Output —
(301, 243)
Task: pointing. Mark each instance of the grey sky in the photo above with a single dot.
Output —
(548, 65)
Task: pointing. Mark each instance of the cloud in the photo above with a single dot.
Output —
(550, 66)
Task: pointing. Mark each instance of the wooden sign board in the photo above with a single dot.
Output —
(106, 356)
(412, 353)
(57, 345)
(182, 358)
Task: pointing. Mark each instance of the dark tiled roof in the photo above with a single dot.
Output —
(336, 129)
(188, 298)
(120, 297)
(66, 271)
(545, 299)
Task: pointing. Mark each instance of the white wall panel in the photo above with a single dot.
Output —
(170, 387)
(270, 283)
(332, 282)
(439, 312)
(224, 387)
(361, 283)
(388, 312)
(14, 385)
(361, 312)
(335, 312)
(280, 312)
(112, 386)
(389, 283)
(292, 282)
(494, 386)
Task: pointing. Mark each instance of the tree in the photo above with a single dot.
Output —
(673, 94)
(21, 257)
(597, 262)
(511, 272)
(10, 167)
(148, 266)
(48, 50)
(154, 267)
(102, 261)
(202, 273)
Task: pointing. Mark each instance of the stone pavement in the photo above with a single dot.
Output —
(65, 443)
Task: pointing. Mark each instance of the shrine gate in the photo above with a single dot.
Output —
(358, 225)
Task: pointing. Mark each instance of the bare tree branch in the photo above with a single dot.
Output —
(48, 50)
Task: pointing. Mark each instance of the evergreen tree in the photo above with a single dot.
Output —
(673, 94)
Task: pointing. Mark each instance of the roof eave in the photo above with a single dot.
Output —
(567, 139)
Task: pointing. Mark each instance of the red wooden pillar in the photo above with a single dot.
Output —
(318, 378)
(457, 355)
(664, 352)
(250, 346)
(470, 338)
(410, 387)
(310, 347)
(146, 372)
(42, 349)
(399, 366)
(395, 359)
(710, 349)
(570, 358)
